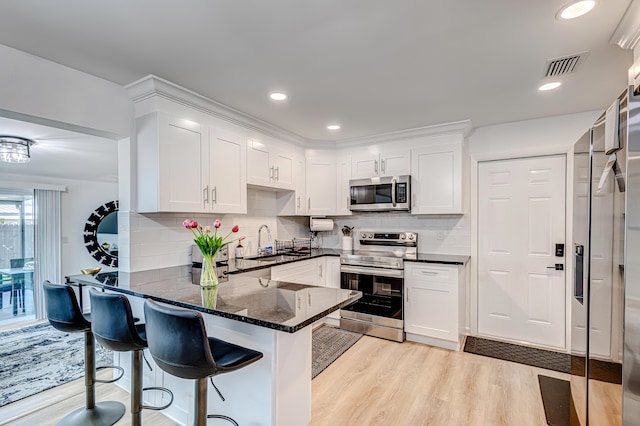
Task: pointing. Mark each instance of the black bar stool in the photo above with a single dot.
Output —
(65, 315)
(179, 344)
(113, 324)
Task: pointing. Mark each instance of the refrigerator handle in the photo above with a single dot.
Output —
(578, 273)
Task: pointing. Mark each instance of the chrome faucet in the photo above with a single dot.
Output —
(262, 251)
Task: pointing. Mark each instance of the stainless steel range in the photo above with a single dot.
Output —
(377, 270)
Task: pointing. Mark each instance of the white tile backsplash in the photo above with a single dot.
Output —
(158, 240)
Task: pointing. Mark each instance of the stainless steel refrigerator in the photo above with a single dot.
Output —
(605, 307)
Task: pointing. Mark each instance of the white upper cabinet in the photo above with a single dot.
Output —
(321, 185)
(343, 170)
(184, 167)
(294, 203)
(436, 179)
(227, 172)
(386, 163)
(269, 166)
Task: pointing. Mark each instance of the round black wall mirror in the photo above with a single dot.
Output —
(101, 234)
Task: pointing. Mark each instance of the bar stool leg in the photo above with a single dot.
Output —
(136, 388)
(92, 414)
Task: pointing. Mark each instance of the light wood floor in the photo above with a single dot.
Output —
(376, 382)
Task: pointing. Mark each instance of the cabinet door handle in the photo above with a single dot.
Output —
(278, 174)
(205, 195)
(299, 302)
(214, 195)
(382, 165)
(407, 293)
(413, 200)
(375, 166)
(308, 204)
(309, 298)
(298, 201)
(428, 273)
(271, 173)
(320, 269)
(348, 202)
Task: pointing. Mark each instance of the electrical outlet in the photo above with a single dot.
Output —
(440, 235)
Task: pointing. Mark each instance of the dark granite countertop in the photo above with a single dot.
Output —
(239, 266)
(259, 301)
(449, 259)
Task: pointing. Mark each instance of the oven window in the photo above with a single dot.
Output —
(371, 194)
(381, 296)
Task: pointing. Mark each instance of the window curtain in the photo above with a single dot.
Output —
(47, 236)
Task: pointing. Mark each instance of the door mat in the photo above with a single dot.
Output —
(556, 399)
(38, 357)
(328, 343)
(521, 354)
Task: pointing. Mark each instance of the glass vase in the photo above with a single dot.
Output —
(209, 282)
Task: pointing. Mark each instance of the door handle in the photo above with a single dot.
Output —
(205, 195)
(407, 291)
(298, 201)
(278, 174)
(557, 267)
(375, 166)
(271, 173)
(578, 273)
(308, 204)
(382, 166)
(214, 195)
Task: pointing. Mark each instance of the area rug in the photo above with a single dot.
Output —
(534, 357)
(328, 343)
(556, 399)
(39, 357)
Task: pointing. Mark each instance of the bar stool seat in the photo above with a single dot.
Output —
(179, 344)
(114, 327)
(65, 315)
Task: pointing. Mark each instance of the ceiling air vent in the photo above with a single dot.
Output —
(565, 65)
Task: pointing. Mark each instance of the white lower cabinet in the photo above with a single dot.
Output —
(301, 272)
(322, 272)
(434, 304)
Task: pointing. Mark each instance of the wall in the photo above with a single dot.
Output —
(436, 234)
(78, 201)
(159, 240)
(37, 90)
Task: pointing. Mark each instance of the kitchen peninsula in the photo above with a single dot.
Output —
(272, 317)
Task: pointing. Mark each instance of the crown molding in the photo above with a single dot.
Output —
(627, 33)
(151, 85)
(463, 127)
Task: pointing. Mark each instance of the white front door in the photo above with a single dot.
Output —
(521, 217)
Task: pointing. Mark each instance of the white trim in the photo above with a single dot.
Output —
(150, 86)
(34, 185)
(432, 341)
(627, 32)
(464, 127)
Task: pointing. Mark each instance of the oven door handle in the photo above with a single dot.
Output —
(394, 273)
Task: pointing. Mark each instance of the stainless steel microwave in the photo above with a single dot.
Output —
(382, 194)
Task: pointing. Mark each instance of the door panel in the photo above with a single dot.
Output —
(521, 208)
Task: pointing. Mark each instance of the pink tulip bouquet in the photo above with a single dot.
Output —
(209, 242)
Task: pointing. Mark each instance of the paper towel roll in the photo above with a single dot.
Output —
(320, 224)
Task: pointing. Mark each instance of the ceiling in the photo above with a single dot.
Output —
(373, 66)
(61, 153)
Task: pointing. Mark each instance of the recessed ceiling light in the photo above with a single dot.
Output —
(333, 127)
(550, 86)
(278, 96)
(576, 9)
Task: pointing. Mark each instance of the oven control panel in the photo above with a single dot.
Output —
(388, 238)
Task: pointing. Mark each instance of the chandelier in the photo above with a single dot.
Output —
(14, 149)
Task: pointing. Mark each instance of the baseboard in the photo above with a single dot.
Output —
(432, 341)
